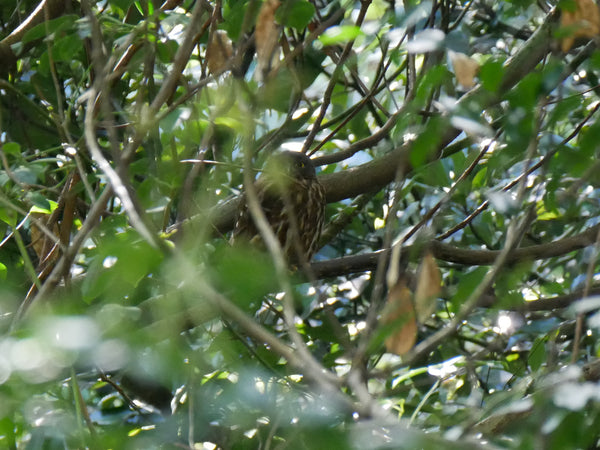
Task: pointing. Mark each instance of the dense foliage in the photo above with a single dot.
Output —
(461, 133)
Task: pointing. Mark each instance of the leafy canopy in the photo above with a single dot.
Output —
(453, 302)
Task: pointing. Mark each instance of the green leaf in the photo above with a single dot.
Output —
(25, 175)
(230, 122)
(568, 5)
(544, 214)
(295, 14)
(537, 354)
(39, 202)
(359, 125)
(278, 92)
(588, 140)
(173, 119)
(122, 261)
(525, 94)
(435, 174)
(426, 143)
(563, 109)
(480, 178)
(433, 78)
(340, 34)
(467, 285)
(245, 272)
(67, 48)
(166, 50)
(11, 149)
(8, 216)
(63, 23)
(43, 210)
(234, 13)
(491, 74)
(122, 4)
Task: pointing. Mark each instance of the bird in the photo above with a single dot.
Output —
(293, 201)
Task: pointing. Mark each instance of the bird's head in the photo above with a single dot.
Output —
(294, 165)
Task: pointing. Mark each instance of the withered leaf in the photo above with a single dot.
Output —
(465, 69)
(584, 22)
(399, 314)
(266, 37)
(218, 52)
(429, 286)
(42, 245)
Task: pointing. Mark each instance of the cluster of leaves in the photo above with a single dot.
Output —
(462, 130)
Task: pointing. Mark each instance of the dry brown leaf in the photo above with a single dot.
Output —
(42, 245)
(465, 69)
(585, 21)
(429, 286)
(266, 37)
(400, 313)
(218, 52)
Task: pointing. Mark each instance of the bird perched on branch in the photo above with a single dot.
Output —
(293, 201)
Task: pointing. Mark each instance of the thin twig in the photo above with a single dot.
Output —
(589, 279)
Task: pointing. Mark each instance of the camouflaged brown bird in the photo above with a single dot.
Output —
(293, 201)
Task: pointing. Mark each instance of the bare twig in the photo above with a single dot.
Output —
(589, 279)
(332, 83)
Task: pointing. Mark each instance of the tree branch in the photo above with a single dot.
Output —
(468, 257)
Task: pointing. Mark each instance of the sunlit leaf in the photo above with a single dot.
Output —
(471, 126)
(575, 396)
(586, 305)
(340, 34)
(426, 41)
(40, 203)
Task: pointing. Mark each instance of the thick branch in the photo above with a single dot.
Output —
(453, 254)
